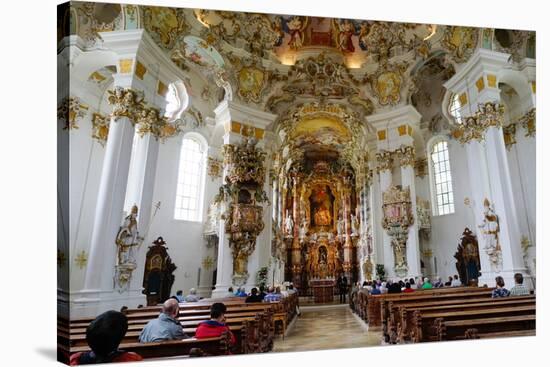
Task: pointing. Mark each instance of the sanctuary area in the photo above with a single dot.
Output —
(227, 179)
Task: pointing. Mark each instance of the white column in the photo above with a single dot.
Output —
(225, 258)
(140, 192)
(503, 196)
(413, 247)
(109, 209)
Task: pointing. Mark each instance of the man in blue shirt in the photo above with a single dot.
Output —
(272, 296)
(164, 327)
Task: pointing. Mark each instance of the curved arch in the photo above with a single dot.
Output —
(519, 82)
(439, 169)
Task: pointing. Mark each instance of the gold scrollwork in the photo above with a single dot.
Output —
(70, 110)
(474, 127)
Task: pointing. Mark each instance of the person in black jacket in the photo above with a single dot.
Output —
(342, 284)
(254, 296)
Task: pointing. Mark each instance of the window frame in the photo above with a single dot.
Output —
(203, 148)
(453, 108)
(433, 184)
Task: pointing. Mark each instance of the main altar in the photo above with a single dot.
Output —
(321, 229)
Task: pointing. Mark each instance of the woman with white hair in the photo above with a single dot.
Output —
(192, 296)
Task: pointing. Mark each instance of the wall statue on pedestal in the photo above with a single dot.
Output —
(126, 240)
(491, 229)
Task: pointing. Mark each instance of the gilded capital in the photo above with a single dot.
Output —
(384, 161)
(126, 103)
(474, 127)
(405, 156)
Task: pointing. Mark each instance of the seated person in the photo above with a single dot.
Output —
(438, 283)
(449, 282)
(272, 296)
(254, 296)
(500, 291)
(290, 289)
(427, 284)
(192, 296)
(262, 292)
(230, 293)
(519, 289)
(408, 288)
(165, 327)
(393, 287)
(241, 292)
(214, 327)
(179, 296)
(375, 289)
(456, 282)
(104, 335)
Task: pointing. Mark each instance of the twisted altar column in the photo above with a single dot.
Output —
(296, 256)
(348, 245)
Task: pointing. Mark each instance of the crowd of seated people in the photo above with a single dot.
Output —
(411, 285)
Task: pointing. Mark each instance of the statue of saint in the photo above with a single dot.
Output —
(127, 238)
(490, 229)
(340, 227)
(303, 229)
(289, 224)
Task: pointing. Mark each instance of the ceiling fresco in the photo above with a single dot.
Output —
(278, 63)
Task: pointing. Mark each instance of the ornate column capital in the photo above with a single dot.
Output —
(126, 102)
(405, 155)
(489, 114)
(384, 160)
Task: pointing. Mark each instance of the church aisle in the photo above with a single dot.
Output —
(326, 327)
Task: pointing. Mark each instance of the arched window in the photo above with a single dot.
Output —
(190, 186)
(442, 183)
(454, 108)
(177, 100)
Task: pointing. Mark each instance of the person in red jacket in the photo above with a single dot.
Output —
(104, 335)
(216, 325)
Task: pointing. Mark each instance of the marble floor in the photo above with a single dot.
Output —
(326, 327)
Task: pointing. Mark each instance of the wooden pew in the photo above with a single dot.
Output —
(400, 314)
(519, 325)
(424, 327)
(463, 293)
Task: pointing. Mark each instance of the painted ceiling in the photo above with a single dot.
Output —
(277, 62)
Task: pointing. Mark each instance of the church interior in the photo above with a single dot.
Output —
(200, 150)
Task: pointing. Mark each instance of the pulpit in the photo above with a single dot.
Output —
(323, 290)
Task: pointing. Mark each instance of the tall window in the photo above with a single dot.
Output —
(454, 108)
(190, 180)
(442, 181)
